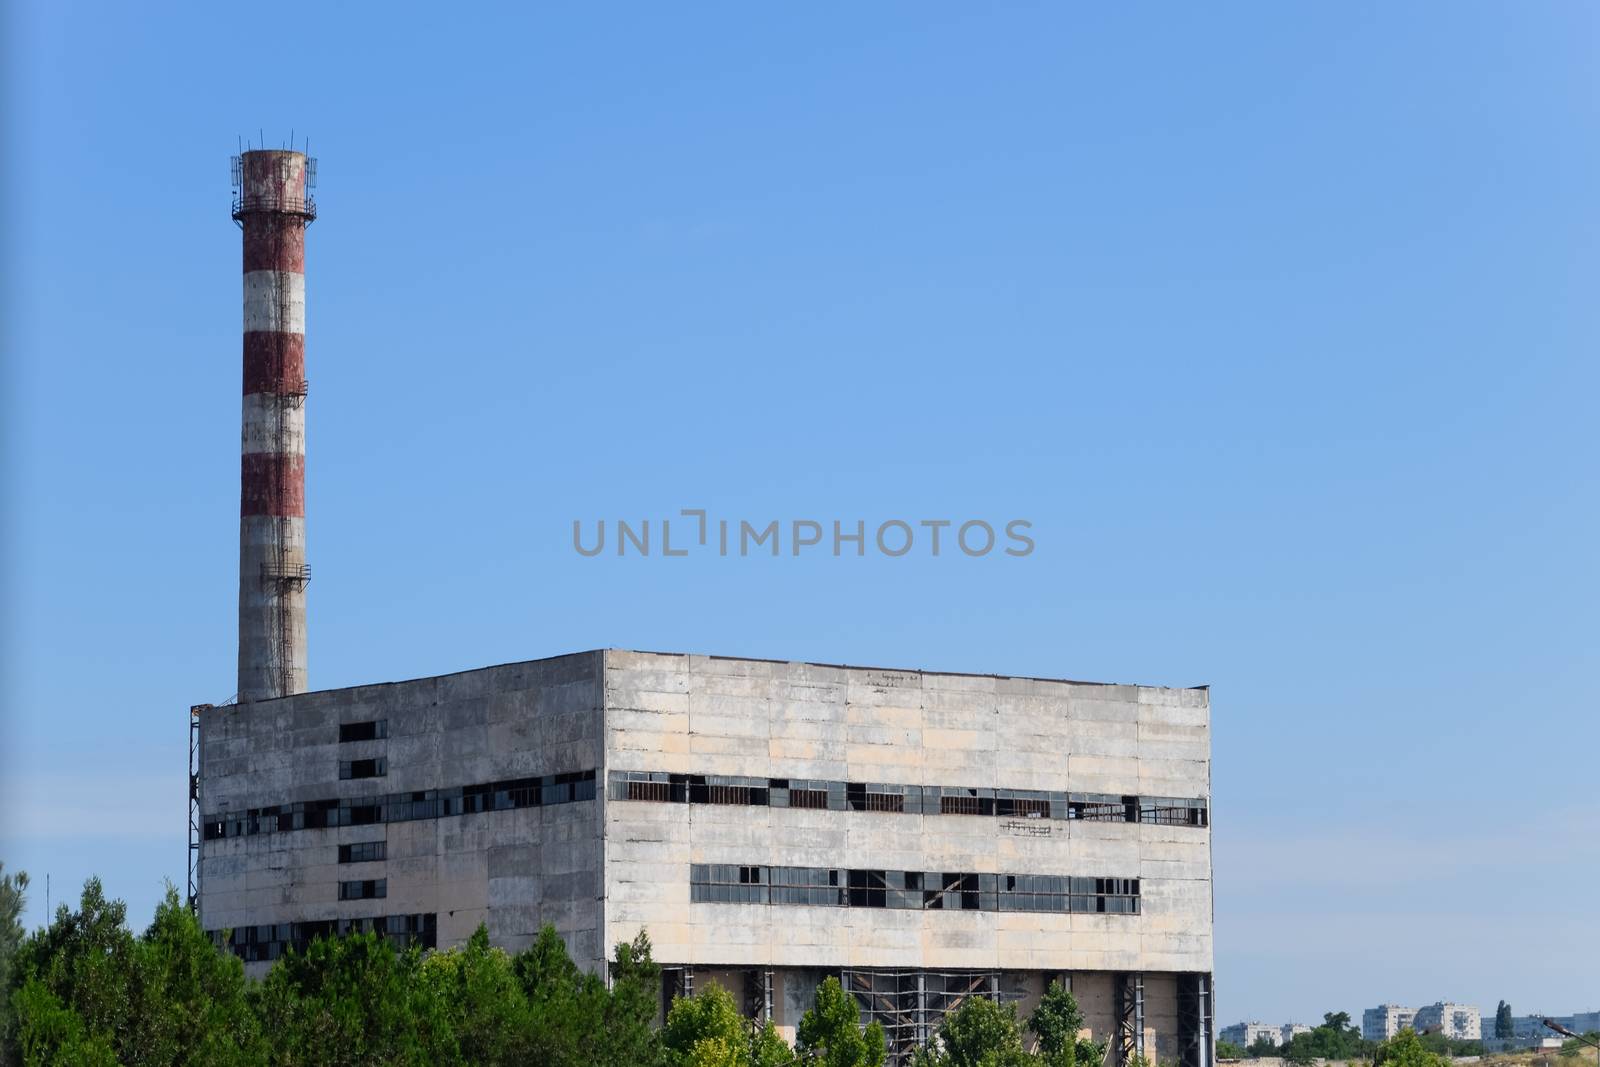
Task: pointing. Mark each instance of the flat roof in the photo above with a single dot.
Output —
(736, 659)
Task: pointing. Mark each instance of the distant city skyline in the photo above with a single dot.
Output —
(1524, 1023)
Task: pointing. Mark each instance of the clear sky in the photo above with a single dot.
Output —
(1278, 322)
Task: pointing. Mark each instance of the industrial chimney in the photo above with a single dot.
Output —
(272, 203)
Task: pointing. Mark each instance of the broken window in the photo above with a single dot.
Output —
(896, 798)
(913, 890)
(868, 889)
(363, 768)
(1097, 807)
(1172, 811)
(364, 889)
(401, 807)
(363, 852)
(876, 796)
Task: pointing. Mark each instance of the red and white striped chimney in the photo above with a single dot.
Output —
(273, 206)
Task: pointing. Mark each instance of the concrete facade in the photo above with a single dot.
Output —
(1246, 1034)
(1384, 1021)
(1459, 1022)
(923, 836)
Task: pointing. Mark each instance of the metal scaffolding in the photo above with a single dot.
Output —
(195, 711)
(910, 1004)
(1127, 1041)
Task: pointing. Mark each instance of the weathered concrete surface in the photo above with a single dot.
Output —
(704, 715)
(602, 870)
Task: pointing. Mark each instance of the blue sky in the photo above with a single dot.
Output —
(1276, 321)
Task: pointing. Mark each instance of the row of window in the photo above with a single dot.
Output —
(724, 883)
(402, 807)
(364, 852)
(256, 943)
(913, 799)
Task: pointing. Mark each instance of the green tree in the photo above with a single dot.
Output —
(49, 1032)
(1263, 1046)
(627, 1036)
(830, 1033)
(566, 1006)
(767, 1049)
(1298, 1053)
(1334, 1039)
(1056, 1022)
(13, 895)
(706, 1030)
(1227, 1050)
(83, 959)
(1504, 1028)
(1406, 1049)
(1090, 1053)
(193, 999)
(704, 1021)
(349, 1000)
(89, 987)
(470, 1002)
(980, 1033)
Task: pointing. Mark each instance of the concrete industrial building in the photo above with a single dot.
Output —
(924, 837)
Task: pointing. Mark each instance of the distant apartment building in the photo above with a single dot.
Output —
(1386, 1020)
(1246, 1034)
(1458, 1022)
(1529, 1031)
(1288, 1030)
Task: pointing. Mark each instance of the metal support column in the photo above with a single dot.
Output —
(195, 712)
(921, 1028)
(1127, 1043)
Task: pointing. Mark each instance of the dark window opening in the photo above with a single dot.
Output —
(363, 768)
(868, 889)
(371, 730)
